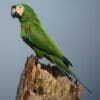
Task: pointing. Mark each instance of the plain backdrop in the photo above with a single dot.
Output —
(73, 24)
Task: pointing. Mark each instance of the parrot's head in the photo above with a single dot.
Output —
(23, 12)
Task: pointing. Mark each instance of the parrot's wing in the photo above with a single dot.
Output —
(42, 41)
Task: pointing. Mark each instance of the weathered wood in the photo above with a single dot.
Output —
(41, 82)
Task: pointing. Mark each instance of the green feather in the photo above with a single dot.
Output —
(38, 39)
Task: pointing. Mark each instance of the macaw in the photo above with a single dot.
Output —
(34, 35)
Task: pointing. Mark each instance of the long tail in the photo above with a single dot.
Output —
(67, 62)
(76, 79)
(73, 76)
(85, 87)
(66, 71)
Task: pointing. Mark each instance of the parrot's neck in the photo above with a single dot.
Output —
(25, 20)
(31, 19)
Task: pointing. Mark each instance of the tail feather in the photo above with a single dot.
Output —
(70, 76)
(66, 61)
(77, 80)
(74, 77)
(85, 87)
(66, 71)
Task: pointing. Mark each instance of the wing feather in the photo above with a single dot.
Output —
(40, 39)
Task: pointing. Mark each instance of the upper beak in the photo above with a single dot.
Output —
(13, 11)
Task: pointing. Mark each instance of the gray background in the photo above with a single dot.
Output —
(73, 24)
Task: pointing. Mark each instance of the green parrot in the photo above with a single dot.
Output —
(33, 34)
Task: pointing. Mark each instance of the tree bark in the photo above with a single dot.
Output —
(45, 82)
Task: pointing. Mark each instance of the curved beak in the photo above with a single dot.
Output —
(14, 12)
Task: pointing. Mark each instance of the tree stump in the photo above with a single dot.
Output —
(45, 82)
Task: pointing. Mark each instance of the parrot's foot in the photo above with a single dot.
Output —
(76, 82)
(36, 60)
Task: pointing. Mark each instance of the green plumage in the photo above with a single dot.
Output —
(38, 39)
